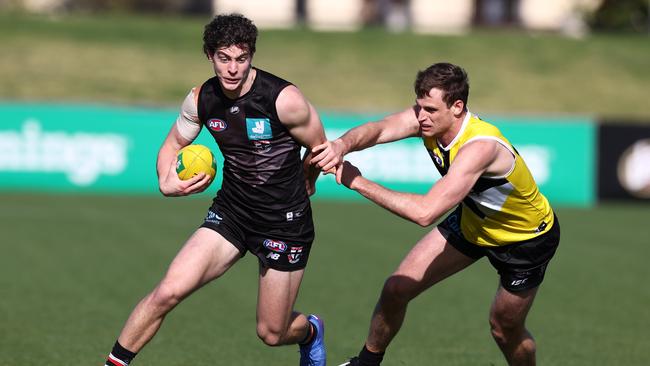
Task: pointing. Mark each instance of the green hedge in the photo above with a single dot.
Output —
(622, 15)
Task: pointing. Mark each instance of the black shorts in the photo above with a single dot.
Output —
(284, 248)
(521, 266)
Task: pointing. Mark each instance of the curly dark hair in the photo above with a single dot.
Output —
(227, 30)
(449, 78)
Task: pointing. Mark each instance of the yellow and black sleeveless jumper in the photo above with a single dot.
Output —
(498, 210)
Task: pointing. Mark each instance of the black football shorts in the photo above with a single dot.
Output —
(284, 248)
(521, 266)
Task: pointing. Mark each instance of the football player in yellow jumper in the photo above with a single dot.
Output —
(498, 211)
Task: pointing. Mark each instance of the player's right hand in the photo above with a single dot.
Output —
(171, 185)
(328, 156)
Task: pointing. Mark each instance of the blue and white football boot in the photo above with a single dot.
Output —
(313, 353)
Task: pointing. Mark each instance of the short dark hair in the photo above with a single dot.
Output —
(227, 30)
(449, 78)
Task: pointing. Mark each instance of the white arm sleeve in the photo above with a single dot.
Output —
(187, 123)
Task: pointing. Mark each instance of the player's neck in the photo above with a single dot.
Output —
(450, 134)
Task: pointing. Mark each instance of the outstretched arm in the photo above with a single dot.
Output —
(394, 127)
(304, 124)
(471, 162)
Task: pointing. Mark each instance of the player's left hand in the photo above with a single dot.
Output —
(328, 156)
(347, 174)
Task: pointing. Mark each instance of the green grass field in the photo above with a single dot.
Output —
(72, 267)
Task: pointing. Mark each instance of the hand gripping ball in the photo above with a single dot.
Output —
(194, 159)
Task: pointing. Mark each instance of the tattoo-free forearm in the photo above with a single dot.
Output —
(406, 205)
(361, 137)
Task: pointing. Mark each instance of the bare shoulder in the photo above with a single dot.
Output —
(482, 149)
(292, 106)
(409, 116)
(485, 156)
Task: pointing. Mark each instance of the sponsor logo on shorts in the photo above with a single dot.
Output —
(453, 222)
(275, 245)
(523, 278)
(293, 215)
(213, 217)
(274, 256)
(217, 125)
(518, 282)
(294, 255)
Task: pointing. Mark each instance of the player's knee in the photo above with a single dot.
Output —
(270, 336)
(398, 289)
(165, 297)
(505, 327)
(497, 332)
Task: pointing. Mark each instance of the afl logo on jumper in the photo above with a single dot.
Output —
(217, 125)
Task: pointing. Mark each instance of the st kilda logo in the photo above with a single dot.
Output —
(217, 125)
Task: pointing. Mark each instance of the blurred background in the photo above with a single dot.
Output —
(90, 88)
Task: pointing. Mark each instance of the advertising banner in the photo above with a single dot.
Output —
(624, 164)
(80, 148)
(559, 151)
(69, 148)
